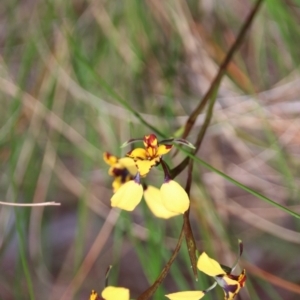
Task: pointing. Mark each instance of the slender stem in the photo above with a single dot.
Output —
(151, 290)
(166, 170)
(179, 168)
(189, 177)
(189, 236)
(107, 275)
(222, 70)
(30, 204)
(212, 93)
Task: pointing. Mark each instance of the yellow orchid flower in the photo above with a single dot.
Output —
(209, 266)
(151, 155)
(146, 158)
(111, 293)
(170, 201)
(154, 201)
(189, 295)
(129, 195)
(122, 169)
(114, 293)
(231, 284)
(171, 193)
(174, 197)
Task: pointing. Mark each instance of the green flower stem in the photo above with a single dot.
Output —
(188, 233)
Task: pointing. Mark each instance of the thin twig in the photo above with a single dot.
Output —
(179, 168)
(222, 70)
(30, 204)
(151, 290)
(188, 233)
(212, 93)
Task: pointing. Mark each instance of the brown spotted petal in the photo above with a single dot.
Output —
(163, 149)
(150, 141)
(109, 158)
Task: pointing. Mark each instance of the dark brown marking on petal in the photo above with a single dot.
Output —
(150, 140)
(233, 277)
(107, 155)
(242, 278)
(122, 173)
(230, 288)
(157, 163)
(129, 153)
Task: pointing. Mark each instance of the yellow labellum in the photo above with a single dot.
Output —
(115, 293)
(128, 196)
(189, 295)
(174, 197)
(154, 201)
(209, 266)
(144, 166)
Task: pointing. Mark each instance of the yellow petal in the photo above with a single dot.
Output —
(129, 164)
(109, 159)
(144, 166)
(128, 196)
(154, 201)
(94, 295)
(209, 266)
(117, 183)
(163, 149)
(189, 295)
(174, 197)
(138, 153)
(115, 293)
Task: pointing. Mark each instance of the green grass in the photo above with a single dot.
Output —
(80, 78)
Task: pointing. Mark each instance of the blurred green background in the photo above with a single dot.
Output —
(72, 74)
